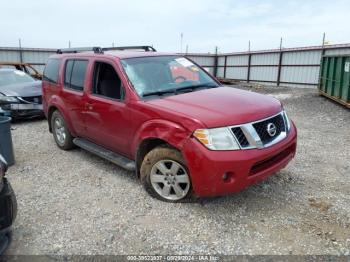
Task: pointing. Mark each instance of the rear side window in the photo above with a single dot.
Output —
(68, 72)
(75, 72)
(51, 70)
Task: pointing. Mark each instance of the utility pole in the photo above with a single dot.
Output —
(182, 37)
(323, 45)
(20, 50)
(69, 45)
(324, 39)
(186, 49)
(112, 44)
(281, 42)
(249, 46)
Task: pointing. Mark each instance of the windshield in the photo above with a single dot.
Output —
(165, 75)
(11, 77)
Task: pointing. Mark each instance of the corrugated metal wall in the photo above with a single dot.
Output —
(297, 67)
(37, 57)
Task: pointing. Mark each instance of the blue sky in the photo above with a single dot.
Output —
(204, 23)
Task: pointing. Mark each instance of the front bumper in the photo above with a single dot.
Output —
(215, 173)
(8, 213)
(17, 111)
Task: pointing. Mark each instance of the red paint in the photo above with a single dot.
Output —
(122, 126)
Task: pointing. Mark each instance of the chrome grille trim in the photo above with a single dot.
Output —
(253, 137)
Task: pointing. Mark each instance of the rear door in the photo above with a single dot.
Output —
(50, 85)
(106, 114)
(75, 81)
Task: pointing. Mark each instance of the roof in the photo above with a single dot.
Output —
(114, 54)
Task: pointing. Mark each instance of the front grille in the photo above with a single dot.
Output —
(262, 127)
(33, 99)
(237, 131)
(267, 163)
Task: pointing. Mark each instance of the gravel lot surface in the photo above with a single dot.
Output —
(76, 203)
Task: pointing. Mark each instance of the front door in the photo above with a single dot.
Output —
(106, 114)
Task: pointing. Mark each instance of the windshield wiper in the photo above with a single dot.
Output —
(192, 88)
(177, 90)
(159, 93)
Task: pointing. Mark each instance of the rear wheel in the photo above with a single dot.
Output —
(165, 176)
(61, 134)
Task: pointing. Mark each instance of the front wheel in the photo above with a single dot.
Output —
(165, 176)
(61, 134)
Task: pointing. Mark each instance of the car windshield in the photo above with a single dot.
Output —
(11, 77)
(159, 75)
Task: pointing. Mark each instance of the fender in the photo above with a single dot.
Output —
(57, 102)
(173, 133)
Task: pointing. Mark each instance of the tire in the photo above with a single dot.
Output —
(60, 131)
(5, 241)
(14, 202)
(165, 176)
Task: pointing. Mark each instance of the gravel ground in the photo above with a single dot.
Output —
(76, 203)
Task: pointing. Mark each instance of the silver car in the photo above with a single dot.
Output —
(20, 94)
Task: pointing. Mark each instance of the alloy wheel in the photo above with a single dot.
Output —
(60, 131)
(170, 180)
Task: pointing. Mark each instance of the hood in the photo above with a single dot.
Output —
(223, 106)
(22, 90)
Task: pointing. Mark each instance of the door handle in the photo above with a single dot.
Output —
(89, 106)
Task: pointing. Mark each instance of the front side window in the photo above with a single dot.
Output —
(106, 82)
(75, 72)
(51, 70)
(160, 75)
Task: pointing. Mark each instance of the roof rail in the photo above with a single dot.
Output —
(146, 48)
(99, 50)
(96, 50)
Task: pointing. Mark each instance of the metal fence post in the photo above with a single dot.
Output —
(279, 69)
(225, 65)
(216, 58)
(249, 66)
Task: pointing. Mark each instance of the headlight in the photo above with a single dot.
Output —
(287, 120)
(216, 138)
(8, 99)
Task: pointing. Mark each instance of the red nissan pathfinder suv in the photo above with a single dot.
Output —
(164, 117)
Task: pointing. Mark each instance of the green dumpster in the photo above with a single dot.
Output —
(335, 78)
